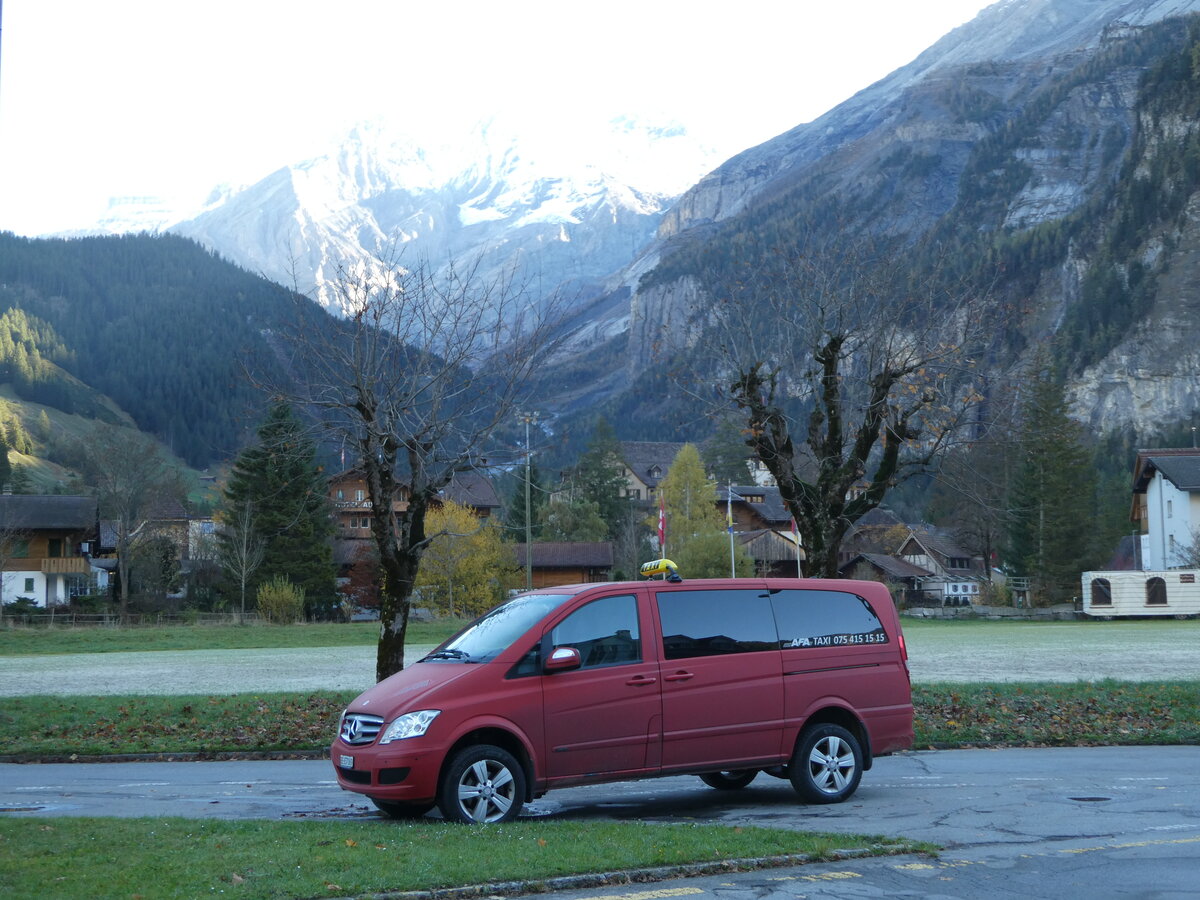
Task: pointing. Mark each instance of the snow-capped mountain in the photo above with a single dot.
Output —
(501, 195)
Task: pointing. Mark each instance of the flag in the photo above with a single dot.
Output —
(662, 525)
(795, 531)
(729, 510)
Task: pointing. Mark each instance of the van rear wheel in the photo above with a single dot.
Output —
(828, 764)
(733, 780)
(482, 784)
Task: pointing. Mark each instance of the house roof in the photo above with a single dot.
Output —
(878, 517)
(889, 565)
(772, 508)
(472, 489)
(642, 456)
(1179, 466)
(939, 544)
(567, 554)
(47, 512)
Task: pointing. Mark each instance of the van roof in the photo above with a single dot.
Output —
(828, 584)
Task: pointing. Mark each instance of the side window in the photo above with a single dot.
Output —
(826, 619)
(605, 632)
(1156, 592)
(713, 623)
(1101, 592)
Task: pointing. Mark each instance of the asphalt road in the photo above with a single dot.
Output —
(1064, 822)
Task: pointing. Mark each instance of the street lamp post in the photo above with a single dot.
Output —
(528, 418)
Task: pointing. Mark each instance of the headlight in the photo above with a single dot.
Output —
(409, 725)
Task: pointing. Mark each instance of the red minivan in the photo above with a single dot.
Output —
(805, 679)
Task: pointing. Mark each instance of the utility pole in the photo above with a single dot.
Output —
(528, 418)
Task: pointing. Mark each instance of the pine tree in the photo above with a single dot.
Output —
(1050, 527)
(280, 479)
(514, 517)
(600, 475)
(572, 520)
(5, 467)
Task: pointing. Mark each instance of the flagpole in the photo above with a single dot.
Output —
(662, 525)
(729, 528)
(796, 538)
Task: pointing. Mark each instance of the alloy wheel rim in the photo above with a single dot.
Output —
(485, 791)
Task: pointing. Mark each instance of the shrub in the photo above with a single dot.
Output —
(280, 601)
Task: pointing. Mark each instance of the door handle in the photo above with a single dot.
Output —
(679, 676)
(639, 680)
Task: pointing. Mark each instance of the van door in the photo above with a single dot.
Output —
(722, 678)
(836, 648)
(605, 716)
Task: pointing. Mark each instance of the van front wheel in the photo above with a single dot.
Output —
(729, 781)
(482, 784)
(827, 765)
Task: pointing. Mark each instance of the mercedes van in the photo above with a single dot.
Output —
(803, 679)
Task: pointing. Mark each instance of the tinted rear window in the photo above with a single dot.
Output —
(825, 619)
(712, 623)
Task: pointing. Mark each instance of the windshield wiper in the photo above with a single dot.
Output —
(448, 654)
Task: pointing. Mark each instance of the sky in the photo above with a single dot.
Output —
(169, 98)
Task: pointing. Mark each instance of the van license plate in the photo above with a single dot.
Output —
(346, 762)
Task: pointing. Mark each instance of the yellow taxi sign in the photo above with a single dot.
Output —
(657, 567)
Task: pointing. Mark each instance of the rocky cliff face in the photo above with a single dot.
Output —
(1033, 127)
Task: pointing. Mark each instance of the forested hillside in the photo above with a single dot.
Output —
(156, 323)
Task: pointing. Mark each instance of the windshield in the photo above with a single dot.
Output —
(494, 632)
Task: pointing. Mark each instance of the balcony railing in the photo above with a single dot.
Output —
(65, 565)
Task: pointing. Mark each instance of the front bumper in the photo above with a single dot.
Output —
(388, 771)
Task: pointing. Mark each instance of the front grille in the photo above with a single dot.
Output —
(359, 728)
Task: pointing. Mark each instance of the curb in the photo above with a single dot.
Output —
(638, 876)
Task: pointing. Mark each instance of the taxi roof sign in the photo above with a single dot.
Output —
(658, 567)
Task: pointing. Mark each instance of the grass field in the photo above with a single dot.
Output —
(18, 641)
(187, 858)
(21, 641)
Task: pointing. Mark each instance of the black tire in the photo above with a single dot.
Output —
(395, 809)
(732, 780)
(482, 784)
(828, 764)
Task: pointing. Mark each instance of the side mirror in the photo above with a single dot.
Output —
(562, 659)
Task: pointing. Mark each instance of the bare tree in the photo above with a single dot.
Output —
(852, 373)
(13, 540)
(240, 549)
(133, 482)
(420, 374)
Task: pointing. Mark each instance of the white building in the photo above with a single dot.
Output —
(1166, 506)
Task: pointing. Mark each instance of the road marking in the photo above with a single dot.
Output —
(1158, 843)
(654, 895)
(812, 879)
(940, 864)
